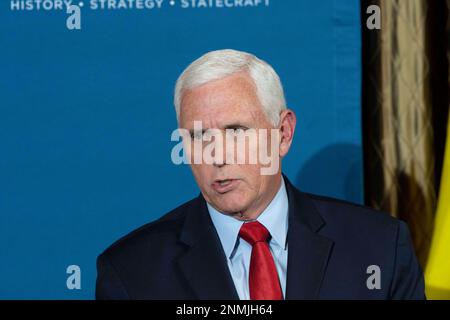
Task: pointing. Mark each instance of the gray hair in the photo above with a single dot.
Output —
(216, 65)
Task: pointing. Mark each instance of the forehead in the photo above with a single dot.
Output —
(219, 103)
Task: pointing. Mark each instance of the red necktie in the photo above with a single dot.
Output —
(263, 278)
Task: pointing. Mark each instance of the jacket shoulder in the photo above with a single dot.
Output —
(364, 237)
(354, 218)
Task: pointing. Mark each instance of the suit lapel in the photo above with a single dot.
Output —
(308, 252)
(204, 264)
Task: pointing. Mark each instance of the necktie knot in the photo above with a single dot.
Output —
(254, 232)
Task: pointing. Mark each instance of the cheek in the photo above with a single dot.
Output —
(252, 177)
(201, 174)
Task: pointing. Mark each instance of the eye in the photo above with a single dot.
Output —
(237, 131)
(197, 135)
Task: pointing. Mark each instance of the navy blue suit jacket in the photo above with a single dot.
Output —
(331, 244)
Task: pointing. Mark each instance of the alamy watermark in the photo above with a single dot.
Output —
(228, 146)
(73, 281)
(374, 280)
(374, 20)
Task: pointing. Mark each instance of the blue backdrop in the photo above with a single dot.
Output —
(86, 117)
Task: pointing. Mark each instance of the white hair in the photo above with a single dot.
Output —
(216, 65)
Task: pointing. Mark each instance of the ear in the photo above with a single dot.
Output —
(287, 124)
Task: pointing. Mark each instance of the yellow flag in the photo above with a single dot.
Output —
(437, 274)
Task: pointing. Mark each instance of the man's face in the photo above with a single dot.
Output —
(230, 103)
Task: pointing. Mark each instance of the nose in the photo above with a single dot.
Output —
(218, 164)
(219, 151)
(219, 160)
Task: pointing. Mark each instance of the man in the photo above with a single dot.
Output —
(251, 234)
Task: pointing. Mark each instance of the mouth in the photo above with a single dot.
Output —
(224, 185)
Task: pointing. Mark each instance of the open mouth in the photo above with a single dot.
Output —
(224, 185)
(225, 182)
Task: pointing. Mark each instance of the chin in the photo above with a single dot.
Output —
(230, 203)
(231, 211)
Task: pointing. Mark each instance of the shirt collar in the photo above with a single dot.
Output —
(274, 218)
